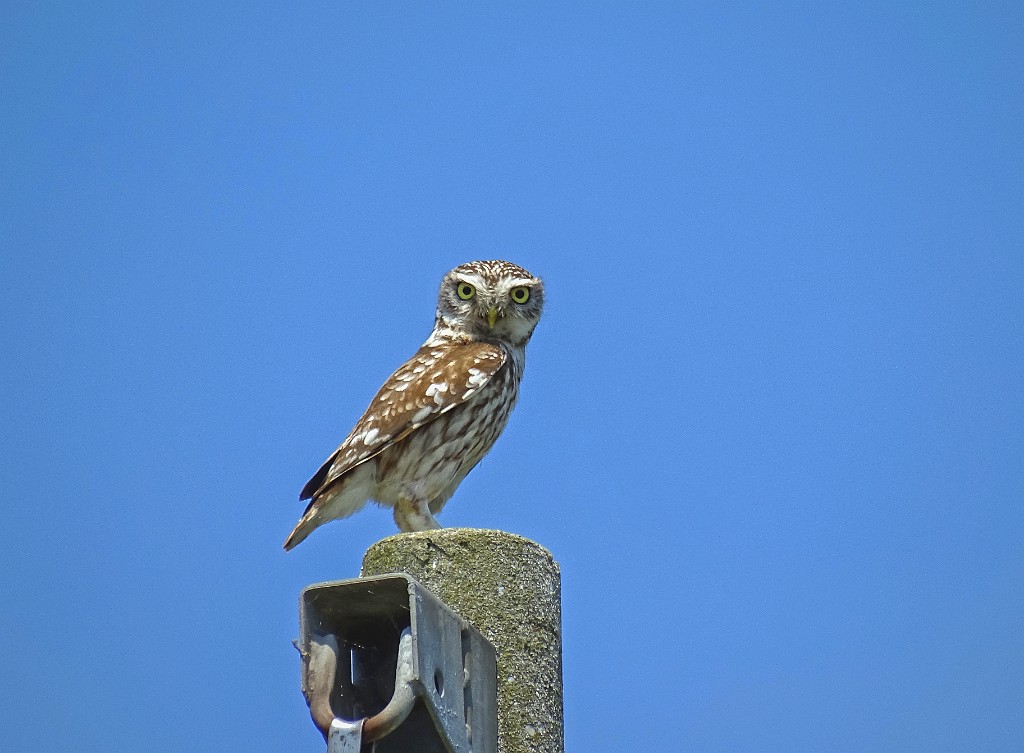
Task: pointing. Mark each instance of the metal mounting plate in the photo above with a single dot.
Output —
(452, 674)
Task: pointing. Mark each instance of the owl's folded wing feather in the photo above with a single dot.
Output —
(431, 383)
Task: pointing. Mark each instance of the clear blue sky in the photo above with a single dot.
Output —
(772, 423)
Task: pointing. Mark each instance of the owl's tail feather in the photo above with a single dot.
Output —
(338, 500)
(309, 520)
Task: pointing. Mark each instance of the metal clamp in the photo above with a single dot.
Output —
(411, 674)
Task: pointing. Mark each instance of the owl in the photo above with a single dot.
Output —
(441, 411)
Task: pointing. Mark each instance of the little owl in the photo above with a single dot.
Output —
(439, 414)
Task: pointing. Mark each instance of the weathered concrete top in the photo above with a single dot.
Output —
(509, 588)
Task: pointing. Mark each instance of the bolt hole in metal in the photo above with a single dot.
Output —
(439, 682)
(467, 698)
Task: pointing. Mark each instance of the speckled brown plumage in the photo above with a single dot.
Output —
(441, 411)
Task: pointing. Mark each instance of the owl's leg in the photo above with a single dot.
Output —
(413, 514)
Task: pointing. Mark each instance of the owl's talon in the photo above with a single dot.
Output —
(414, 515)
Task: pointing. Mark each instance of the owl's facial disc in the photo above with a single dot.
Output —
(492, 301)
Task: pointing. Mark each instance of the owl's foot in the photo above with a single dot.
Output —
(414, 515)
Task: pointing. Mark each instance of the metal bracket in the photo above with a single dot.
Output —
(388, 668)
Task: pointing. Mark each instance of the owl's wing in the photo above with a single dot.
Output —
(431, 383)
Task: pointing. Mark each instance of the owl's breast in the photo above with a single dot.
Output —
(431, 462)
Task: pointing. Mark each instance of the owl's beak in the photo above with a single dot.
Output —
(492, 317)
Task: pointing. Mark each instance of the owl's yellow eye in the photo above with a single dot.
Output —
(465, 291)
(520, 294)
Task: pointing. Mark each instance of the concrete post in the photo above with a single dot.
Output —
(509, 588)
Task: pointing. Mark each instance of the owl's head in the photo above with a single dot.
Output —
(490, 300)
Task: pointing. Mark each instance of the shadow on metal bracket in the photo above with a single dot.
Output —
(388, 668)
